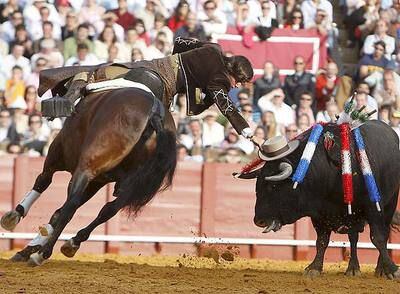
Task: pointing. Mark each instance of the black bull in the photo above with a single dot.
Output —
(320, 196)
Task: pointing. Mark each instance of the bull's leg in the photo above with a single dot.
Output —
(107, 212)
(353, 269)
(54, 162)
(380, 229)
(323, 236)
(46, 231)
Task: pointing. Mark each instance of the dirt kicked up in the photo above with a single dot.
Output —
(183, 274)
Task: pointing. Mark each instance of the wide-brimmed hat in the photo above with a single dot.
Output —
(277, 147)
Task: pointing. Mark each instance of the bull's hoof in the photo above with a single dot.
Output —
(69, 248)
(312, 273)
(353, 272)
(18, 257)
(36, 259)
(10, 220)
(395, 275)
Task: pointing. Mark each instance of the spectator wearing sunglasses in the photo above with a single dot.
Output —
(298, 82)
(295, 20)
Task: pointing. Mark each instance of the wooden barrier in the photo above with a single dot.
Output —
(204, 200)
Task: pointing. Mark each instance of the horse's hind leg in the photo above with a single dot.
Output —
(107, 212)
(53, 163)
(46, 231)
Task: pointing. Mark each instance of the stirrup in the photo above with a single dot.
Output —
(57, 107)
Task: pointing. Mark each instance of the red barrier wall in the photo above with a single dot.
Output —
(204, 200)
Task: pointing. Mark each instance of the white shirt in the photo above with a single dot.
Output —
(10, 61)
(309, 10)
(212, 26)
(213, 135)
(90, 59)
(7, 31)
(390, 43)
(284, 114)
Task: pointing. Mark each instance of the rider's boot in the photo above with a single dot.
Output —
(62, 106)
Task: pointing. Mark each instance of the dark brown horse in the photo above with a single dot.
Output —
(121, 136)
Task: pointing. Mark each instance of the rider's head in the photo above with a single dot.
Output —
(239, 67)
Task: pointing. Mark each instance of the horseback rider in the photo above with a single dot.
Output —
(199, 69)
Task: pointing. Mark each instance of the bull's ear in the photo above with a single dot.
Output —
(332, 147)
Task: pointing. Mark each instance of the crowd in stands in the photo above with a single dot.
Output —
(39, 34)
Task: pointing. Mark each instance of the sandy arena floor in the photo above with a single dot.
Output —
(183, 274)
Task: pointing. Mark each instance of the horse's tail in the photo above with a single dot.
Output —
(153, 176)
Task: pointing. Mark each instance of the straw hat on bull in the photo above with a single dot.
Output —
(277, 147)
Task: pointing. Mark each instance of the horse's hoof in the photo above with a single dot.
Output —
(19, 258)
(36, 259)
(69, 248)
(353, 272)
(312, 273)
(10, 220)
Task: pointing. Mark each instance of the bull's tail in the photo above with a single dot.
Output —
(153, 176)
(396, 221)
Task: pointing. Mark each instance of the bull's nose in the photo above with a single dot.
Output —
(260, 223)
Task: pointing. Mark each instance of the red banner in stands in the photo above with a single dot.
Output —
(281, 48)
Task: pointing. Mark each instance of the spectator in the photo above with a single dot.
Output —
(33, 15)
(384, 114)
(381, 29)
(243, 96)
(178, 18)
(266, 83)
(31, 100)
(132, 41)
(160, 26)
(159, 49)
(193, 141)
(92, 13)
(375, 80)
(182, 153)
(83, 57)
(212, 20)
(303, 122)
(269, 124)
(326, 85)
(106, 39)
(8, 132)
(291, 131)
(304, 107)
(395, 121)
(33, 77)
(267, 22)
(36, 30)
(247, 113)
(110, 20)
(325, 28)
(328, 114)
(49, 51)
(260, 133)
(22, 38)
(47, 34)
(36, 136)
(298, 82)
(295, 20)
(147, 14)
(273, 101)
(231, 138)
(142, 33)
(362, 101)
(363, 87)
(71, 24)
(309, 9)
(285, 9)
(81, 36)
(7, 9)
(389, 94)
(370, 63)
(232, 155)
(15, 86)
(213, 132)
(8, 28)
(192, 29)
(125, 19)
(20, 119)
(137, 54)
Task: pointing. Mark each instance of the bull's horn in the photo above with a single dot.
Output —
(286, 170)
